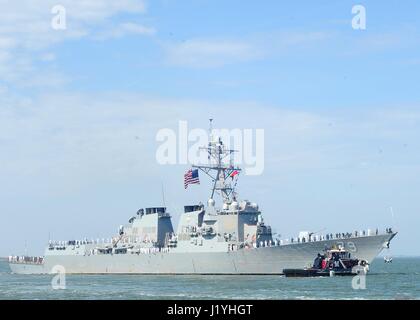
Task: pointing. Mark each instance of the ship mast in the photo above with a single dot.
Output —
(217, 169)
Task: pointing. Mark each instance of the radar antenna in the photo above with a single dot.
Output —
(217, 169)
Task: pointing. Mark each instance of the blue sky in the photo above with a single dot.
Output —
(80, 108)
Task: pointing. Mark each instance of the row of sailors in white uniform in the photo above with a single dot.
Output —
(330, 236)
(97, 241)
(314, 238)
(267, 243)
(25, 259)
(311, 238)
(138, 250)
(150, 250)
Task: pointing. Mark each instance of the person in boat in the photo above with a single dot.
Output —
(336, 259)
(317, 261)
(333, 260)
(324, 263)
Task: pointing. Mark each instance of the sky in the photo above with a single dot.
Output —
(80, 108)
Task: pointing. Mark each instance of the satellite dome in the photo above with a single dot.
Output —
(211, 202)
(234, 206)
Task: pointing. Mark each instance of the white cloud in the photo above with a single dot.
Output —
(373, 42)
(28, 22)
(295, 38)
(125, 29)
(76, 136)
(86, 129)
(135, 29)
(207, 53)
(7, 43)
(25, 29)
(48, 56)
(210, 53)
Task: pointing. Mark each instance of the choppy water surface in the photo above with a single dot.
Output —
(398, 280)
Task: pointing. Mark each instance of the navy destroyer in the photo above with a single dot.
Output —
(232, 238)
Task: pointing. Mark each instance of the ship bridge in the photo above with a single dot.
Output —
(150, 225)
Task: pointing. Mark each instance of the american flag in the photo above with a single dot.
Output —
(191, 177)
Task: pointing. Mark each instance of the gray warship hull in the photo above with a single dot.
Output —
(262, 260)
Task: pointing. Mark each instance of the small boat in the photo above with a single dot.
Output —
(388, 259)
(334, 262)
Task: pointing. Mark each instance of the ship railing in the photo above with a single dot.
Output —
(26, 259)
(267, 243)
(60, 243)
(154, 250)
(72, 243)
(139, 250)
(336, 236)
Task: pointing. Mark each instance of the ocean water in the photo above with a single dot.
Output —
(397, 280)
